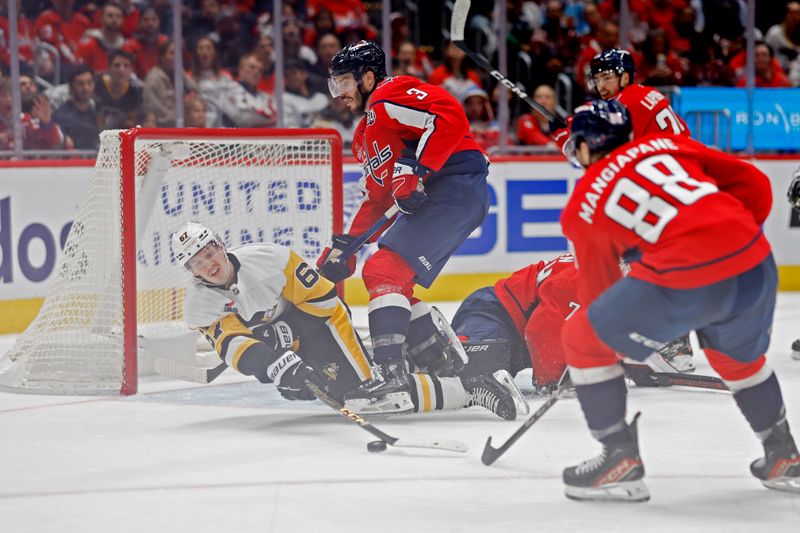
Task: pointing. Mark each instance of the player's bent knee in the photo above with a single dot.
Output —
(582, 347)
(738, 374)
(386, 271)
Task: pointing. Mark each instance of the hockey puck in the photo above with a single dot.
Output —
(376, 446)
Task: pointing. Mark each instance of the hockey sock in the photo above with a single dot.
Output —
(603, 405)
(422, 342)
(430, 393)
(389, 316)
(761, 405)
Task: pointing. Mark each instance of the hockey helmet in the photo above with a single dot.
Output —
(613, 60)
(602, 124)
(357, 58)
(190, 239)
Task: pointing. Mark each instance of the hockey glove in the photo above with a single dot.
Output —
(291, 382)
(794, 190)
(329, 263)
(407, 189)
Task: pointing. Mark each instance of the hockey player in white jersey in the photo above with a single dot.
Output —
(270, 315)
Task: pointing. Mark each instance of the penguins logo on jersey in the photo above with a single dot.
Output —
(230, 307)
(269, 313)
(331, 370)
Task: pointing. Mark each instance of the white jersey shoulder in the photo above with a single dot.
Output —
(259, 284)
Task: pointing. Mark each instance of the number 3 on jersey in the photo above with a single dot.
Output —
(633, 207)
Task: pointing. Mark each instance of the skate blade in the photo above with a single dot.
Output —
(520, 403)
(625, 491)
(784, 484)
(393, 403)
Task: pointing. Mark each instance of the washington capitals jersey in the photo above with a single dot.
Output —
(540, 298)
(404, 114)
(649, 110)
(682, 214)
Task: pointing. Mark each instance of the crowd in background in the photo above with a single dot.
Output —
(89, 66)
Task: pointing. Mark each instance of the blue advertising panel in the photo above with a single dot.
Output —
(776, 116)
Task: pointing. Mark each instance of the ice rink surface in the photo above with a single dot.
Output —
(234, 456)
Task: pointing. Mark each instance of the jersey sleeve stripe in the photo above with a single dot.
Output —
(236, 350)
(415, 118)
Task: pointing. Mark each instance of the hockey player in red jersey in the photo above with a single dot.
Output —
(416, 152)
(612, 74)
(688, 221)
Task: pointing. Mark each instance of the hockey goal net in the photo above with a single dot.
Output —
(117, 283)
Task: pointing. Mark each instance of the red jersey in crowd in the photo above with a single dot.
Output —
(691, 215)
(63, 34)
(404, 111)
(27, 40)
(146, 55)
(94, 48)
(35, 135)
(649, 110)
(540, 298)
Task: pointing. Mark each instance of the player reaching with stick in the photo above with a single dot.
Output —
(688, 220)
(416, 152)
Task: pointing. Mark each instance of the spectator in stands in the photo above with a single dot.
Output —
(212, 80)
(769, 73)
(244, 105)
(480, 34)
(323, 24)
(301, 105)
(347, 15)
(28, 91)
(147, 119)
(453, 74)
(159, 91)
(560, 30)
(401, 37)
(26, 34)
(659, 64)
(39, 130)
(130, 16)
(327, 46)
(203, 22)
(144, 44)
(265, 52)
(784, 38)
(293, 46)
(96, 44)
(118, 93)
(62, 27)
(194, 108)
(77, 116)
(482, 125)
(533, 128)
(607, 38)
(406, 62)
(232, 38)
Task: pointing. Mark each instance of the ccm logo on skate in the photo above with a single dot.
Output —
(35, 248)
(618, 472)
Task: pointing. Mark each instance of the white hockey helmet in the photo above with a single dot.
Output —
(190, 239)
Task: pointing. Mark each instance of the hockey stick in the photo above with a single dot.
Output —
(448, 445)
(457, 23)
(362, 239)
(491, 454)
(644, 376)
(175, 370)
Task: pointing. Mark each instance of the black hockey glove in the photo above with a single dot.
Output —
(329, 263)
(794, 190)
(292, 382)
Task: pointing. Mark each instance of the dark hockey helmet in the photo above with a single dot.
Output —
(358, 58)
(602, 124)
(613, 60)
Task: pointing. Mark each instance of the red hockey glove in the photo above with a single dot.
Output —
(407, 189)
(329, 264)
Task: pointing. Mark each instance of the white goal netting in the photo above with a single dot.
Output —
(280, 187)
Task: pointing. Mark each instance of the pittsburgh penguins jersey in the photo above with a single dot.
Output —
(404, 113)
(276, 293)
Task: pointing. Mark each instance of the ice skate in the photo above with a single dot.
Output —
(498, 393)
(387, 393)
(615, 475)
(779, 469)
(678, 354)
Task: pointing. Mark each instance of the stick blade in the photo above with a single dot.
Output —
(175, 370)
(490, 454)
(459, 20)
(442, 444)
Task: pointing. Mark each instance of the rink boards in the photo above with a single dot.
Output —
(39, 200)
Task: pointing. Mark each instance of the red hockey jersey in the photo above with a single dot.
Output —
(540, 298)
(404, 113)
(650, 113)
(690, 215)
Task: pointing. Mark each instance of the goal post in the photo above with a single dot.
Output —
(118, 289)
